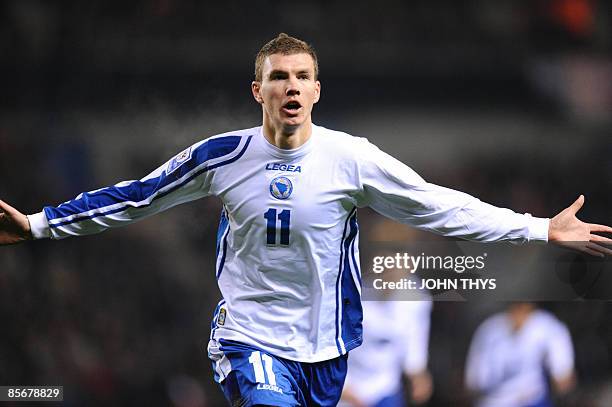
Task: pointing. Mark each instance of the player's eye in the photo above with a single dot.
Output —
(277, 76)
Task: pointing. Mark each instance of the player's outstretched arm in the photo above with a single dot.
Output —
(566, 229)
(185, 177)
(14, 225)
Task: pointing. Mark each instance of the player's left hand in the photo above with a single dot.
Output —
(566, 229)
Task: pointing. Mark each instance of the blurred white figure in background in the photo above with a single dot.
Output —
(512, 355)
(396, 339)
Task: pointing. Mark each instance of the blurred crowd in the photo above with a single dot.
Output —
(509, 101)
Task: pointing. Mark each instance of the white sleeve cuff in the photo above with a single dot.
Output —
(538, 229)
(39, 226)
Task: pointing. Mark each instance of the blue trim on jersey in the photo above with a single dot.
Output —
(356, 266)
(138, 191)
(338, 290)
(222, 239)
(223, 223)
(352, 312)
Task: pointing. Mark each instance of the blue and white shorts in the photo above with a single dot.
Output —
(250, 376)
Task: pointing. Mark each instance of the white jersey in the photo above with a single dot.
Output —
(288, 257)
(508, 368)
(395, 341)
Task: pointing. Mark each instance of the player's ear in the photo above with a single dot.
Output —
(317, 91)
(256, 89)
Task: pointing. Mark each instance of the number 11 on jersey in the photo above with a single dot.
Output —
(284, 217)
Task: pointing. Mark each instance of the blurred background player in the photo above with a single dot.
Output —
(513, 352)
(395, 343)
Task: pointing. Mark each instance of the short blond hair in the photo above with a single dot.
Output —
(286, 45)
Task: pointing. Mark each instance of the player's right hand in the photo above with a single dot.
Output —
(14, 225)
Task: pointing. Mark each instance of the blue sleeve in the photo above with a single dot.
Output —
(185, 177)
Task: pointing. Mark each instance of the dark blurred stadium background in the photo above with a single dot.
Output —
(509, 100)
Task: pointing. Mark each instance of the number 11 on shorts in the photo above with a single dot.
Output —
(256, 359)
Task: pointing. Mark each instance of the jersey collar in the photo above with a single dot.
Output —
(287, 154)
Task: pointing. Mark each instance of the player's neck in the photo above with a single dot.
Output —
(287, 138)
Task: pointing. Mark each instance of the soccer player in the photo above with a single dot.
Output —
(287, 251)
(395, 343)
(511, 354)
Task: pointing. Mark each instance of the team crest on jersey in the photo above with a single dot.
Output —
(281, 187)
(179, 160)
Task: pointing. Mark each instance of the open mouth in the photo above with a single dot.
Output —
(292, 107)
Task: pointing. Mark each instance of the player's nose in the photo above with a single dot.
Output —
(292, 87)
(292, 91)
